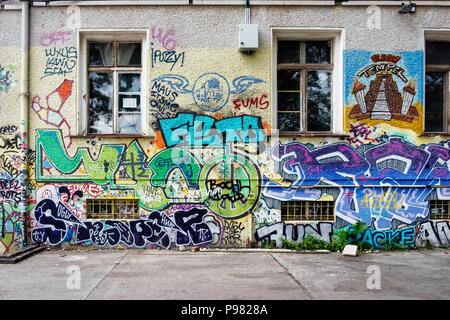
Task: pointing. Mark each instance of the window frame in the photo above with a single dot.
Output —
(306, 204)
(444, 68)
(433, 204)
(336, 36)
(113, 202)
(120, 36)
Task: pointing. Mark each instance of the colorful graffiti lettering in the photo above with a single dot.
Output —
(395, 164)
(199, 130)
(379, 239)
(360, 135)
(128, 167)
(57, 224)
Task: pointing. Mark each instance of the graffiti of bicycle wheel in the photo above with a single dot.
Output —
(232, 183)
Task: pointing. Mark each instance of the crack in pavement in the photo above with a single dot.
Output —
(105, 275)
(311, 295)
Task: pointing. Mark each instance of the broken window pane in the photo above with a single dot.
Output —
(129, 123)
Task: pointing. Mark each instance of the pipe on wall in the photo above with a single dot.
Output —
(24, 97)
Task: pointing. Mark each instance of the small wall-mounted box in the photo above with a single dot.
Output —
(248, 37)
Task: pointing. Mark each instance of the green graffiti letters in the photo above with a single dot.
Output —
(228, 184)
(50, 152)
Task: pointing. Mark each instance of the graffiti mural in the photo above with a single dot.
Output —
(225, 182)
(378, 239)
(12, 235)
(374, 181)
(208, 176)
(211, 91)
(387, 89)
(56, 219)
(436, 233)
(294, 233)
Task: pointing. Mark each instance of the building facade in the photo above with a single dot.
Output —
(223, 123)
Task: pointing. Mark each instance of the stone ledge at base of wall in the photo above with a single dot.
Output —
(188, 249)
(262, 250)
(19, 255)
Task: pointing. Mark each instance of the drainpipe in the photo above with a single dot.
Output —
(24, 125)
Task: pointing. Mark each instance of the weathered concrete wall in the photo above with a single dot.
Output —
(187, 196)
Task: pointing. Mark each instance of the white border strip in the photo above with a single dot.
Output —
(266, 2)
(428, 3)
(230, 2)
(110, 3)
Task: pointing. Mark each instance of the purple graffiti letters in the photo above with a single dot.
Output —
(332, 163)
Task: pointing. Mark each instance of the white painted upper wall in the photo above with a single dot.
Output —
(216, 26)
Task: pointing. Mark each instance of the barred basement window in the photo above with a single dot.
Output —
(307, 210)
(439, 210)
(112, 208)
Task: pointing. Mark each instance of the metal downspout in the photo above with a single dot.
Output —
(24, 94)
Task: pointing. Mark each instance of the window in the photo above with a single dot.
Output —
(114, 72)
(307, 81)
(437, 60)
(112, 208)
(112, 80)
(307, 211)
(304, 72)
(439, 210)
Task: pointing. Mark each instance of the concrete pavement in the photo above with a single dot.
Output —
(223, 275)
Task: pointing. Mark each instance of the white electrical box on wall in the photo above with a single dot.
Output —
(248, 37)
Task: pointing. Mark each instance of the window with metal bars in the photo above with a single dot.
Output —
(112, 208)
(439, 210)
(307, 211)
